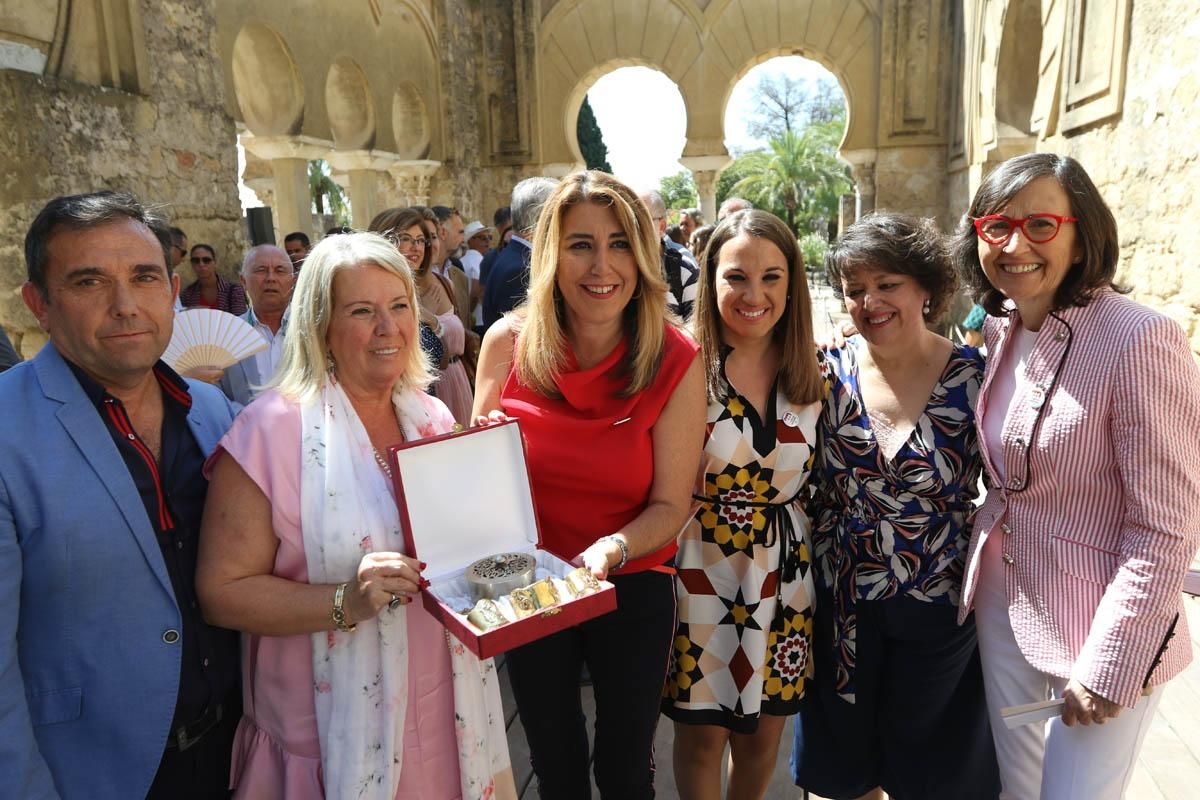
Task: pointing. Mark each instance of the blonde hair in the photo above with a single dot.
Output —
(304, 366)
(799, 373)
(541, 346)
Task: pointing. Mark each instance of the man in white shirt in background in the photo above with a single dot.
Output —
(268, 276)
(479, 241)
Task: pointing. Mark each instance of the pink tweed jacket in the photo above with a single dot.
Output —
(1100, 511)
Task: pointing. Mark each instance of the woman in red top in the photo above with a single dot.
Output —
(611, 400)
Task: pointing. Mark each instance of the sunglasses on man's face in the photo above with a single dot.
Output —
(202, 259)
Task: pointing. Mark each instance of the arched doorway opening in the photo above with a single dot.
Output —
(785, 120)
(642, 119)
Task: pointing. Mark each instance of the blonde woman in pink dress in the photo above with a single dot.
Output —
(351, 689)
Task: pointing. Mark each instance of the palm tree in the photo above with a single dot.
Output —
(321, 185)
(798, 176)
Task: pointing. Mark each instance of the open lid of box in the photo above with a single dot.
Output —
(463, 496)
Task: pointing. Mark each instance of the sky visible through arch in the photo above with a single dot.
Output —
(641, 114)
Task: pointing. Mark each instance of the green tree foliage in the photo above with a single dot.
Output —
(322, 188)
(591, 139)
(798, 177)
(679, 190)
(814, 246)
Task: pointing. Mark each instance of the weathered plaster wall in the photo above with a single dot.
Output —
(1118, 89)
(1146, 162)
(172, 144)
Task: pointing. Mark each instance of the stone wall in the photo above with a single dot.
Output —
(1146, 162)
(171, 143)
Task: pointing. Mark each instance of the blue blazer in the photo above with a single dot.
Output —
(87, 682)
(508, 282)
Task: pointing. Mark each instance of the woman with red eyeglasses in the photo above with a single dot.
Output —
(1086, 416)
(210, 290)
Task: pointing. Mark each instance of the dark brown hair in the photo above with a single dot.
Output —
(900, 244)
(799, 375)
(81, 212)
(1096, 229)
(391, 222)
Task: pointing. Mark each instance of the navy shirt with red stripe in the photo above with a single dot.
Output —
(173, 492)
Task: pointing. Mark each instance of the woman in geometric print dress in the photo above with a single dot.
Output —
(744, 584)
(898, 699)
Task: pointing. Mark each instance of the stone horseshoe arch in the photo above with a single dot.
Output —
(586, 82)
(581, 40)
(267, 81)
(705, 51)
(349, 106)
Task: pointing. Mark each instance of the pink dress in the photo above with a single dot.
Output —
(452, 386)
(276, 753)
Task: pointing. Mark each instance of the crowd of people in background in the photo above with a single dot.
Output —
(891, 537)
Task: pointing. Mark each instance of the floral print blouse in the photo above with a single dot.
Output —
(888, 527)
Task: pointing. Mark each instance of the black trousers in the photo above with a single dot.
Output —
(202, 771)
(919, 727)
(626, 653)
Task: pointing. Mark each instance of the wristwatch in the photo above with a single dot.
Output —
(339, 614)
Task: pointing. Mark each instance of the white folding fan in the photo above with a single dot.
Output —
(205, 337)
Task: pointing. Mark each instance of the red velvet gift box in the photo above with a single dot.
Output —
(462, 497)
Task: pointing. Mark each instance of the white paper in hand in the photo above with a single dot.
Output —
(1016, 716)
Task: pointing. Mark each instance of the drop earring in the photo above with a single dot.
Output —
(925, 308)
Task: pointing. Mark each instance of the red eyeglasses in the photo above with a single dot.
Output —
(1037, 228)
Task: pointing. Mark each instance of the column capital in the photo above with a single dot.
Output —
(369, 160)
(308, 148)
(423, 168)
(561, 169)
(708, 163)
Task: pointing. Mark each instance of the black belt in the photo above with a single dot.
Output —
(185, 736)
(779, 528)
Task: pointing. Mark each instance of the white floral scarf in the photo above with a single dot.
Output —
(360, 679)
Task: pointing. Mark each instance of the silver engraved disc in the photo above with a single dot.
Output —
(498, 575)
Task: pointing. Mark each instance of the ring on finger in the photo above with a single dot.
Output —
(395, 602)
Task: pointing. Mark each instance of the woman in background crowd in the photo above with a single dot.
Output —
(690, 219)
(404, 228)
(610, 399)
(745, 580)
(437, 296)
(210, 290)
(898, 696)
(350, 689)
(699, 240)
(1093, 514)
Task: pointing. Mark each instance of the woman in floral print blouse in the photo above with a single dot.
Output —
(897, 703)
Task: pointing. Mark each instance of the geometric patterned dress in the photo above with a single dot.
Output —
(745, 614)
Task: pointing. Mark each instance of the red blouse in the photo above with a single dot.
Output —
(590, 454)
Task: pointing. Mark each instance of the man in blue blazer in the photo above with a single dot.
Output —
(111, 683)
(508, 280)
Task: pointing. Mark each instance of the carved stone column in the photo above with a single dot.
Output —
(705, 171)
(362, 168)
(412, 180)
(862, 167)
(846, 206)
(289, 157)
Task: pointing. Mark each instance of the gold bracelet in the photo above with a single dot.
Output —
(339, 614)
